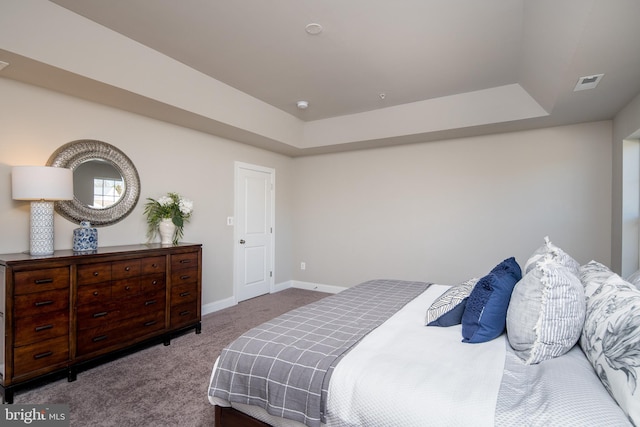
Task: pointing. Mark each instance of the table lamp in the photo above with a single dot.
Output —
(42, 185)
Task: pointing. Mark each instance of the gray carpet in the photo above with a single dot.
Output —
(162, 386)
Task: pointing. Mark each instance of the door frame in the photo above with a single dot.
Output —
(236, 234)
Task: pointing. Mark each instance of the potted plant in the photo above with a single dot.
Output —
(167, 216)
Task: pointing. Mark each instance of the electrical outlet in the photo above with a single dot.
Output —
(303, 265)
(229, 220)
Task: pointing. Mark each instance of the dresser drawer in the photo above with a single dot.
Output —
(153, 265)
(180, 277)
(125, 269)
(125, 288)
(147, 303)
(152, 283)
(89, 294)
(143, 305)
(184, 293)
(94, 273)
(186, 260)
(119, 333)
(40, 355)
(183, 314)
(26, 282)
(41, 302)
(93, 315)
(37, 328)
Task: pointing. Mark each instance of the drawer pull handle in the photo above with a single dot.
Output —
(101, 314)
(154, 265)
(127, 288)
(99, 338)
(185, 261)
(43, 328)
(151, 323)
(95, 273)
(43, 303)
(127, 268)
(41, 355)
(185, 277)
(43, 281)
(184, 313)
(150, 302)
(95, 293)
(185, 294)
(155, 282)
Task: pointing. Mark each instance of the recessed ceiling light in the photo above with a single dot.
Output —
(302, 105)
(588, 82)
(313, 29)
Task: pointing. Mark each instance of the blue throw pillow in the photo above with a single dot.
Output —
(485, 313)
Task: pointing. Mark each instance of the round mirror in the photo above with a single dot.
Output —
(106, 185)
(97, 184)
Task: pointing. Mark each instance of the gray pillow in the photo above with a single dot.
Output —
(448, 308)
(611, 334)
(546, 312)
(558, 254)
(634, 279)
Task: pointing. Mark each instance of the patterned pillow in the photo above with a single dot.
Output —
(485, 314)
(634, 279)
(611, 334)
(448, 308)
(558, 254)
(546, 312)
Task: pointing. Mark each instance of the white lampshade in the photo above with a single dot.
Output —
(41, 183)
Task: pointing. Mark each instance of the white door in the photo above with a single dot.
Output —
(254, 207)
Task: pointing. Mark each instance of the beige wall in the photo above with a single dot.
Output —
(626, 185)
(41, 121)
(438, 211)
(446, 211)
(34, 122)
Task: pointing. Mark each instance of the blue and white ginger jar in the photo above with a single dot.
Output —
(85, 238)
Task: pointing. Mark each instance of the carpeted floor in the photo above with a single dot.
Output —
(162, 385)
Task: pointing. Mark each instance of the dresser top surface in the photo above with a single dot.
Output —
(101, 251)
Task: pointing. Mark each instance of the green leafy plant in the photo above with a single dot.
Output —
(171, 206)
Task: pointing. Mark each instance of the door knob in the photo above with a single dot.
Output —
(242, 242)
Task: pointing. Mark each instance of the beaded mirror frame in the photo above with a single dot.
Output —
(75, 153)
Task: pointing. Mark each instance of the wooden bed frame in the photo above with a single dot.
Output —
(229, 417)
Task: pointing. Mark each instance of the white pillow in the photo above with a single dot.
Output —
(634, 279)
(611, 334)
(558, 254)
(546, 312)
(448, 308)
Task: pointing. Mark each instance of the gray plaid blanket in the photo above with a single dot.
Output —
(284, 365)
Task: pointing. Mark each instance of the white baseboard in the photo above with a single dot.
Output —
(317, 287)
(218, 305)
(282, 286)
(230, 302)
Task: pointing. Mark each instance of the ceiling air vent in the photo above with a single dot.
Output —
(588, 82)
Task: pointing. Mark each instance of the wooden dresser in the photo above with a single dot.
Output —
(61, 312)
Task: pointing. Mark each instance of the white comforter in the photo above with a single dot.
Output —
(407, 374)
(438, 381)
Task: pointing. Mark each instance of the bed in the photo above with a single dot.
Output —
(532, 347)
